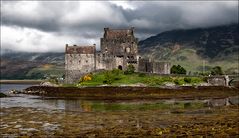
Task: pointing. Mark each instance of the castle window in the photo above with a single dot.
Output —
(86, 61)
(127, 49)
(79, 61)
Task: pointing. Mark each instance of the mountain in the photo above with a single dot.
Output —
(25, 65)
(196, 48)
(49, 57)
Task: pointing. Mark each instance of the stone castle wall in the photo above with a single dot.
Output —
(79, 61)
(149, 66)
(118, 50)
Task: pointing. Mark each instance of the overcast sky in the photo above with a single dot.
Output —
(47, 26)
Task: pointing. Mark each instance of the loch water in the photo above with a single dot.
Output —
(82, 105)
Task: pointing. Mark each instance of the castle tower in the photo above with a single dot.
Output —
(121, 45)
(79, 60)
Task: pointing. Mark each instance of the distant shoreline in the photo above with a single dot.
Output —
(20, 81)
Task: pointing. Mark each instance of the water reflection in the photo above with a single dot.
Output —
(81, 105)
(70, 105)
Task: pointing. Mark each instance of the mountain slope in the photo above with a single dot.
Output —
(195, 48)
(23, 65)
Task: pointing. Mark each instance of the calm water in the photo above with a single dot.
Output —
(23, 100)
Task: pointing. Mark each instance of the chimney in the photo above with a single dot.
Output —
(105, 29)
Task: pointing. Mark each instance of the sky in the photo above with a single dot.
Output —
(46, 26)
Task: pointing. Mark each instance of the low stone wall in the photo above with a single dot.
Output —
(218, 80)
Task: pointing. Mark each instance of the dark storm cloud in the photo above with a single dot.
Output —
(82, 21)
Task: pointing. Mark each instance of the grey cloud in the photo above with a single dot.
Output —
(81, 23)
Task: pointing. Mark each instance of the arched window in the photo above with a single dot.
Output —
(128, 50)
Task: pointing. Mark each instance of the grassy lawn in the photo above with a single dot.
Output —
(118, 78)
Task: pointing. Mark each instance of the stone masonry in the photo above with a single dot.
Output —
(79, 61)
(119, 48)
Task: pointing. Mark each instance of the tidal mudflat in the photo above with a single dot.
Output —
(203, 121)
(121, 112)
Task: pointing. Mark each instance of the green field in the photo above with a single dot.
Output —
(118, 78)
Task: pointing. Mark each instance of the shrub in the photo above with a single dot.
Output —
(108, 77)
(116, 74)
(142, 75)
(130, 69)
(86, 77)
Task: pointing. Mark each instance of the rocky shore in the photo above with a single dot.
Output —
(108, 92)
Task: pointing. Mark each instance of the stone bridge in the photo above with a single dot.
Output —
(224, 80)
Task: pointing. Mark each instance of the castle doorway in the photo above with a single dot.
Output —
(120, 67)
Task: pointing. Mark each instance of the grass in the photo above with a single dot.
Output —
(117, 78)
(47, 70)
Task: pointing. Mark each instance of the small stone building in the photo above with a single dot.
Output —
(119, 48)
(79, 60)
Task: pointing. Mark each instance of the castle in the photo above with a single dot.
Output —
(119, 48)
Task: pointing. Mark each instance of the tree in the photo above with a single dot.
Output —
(177, 70)
(217, 70)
